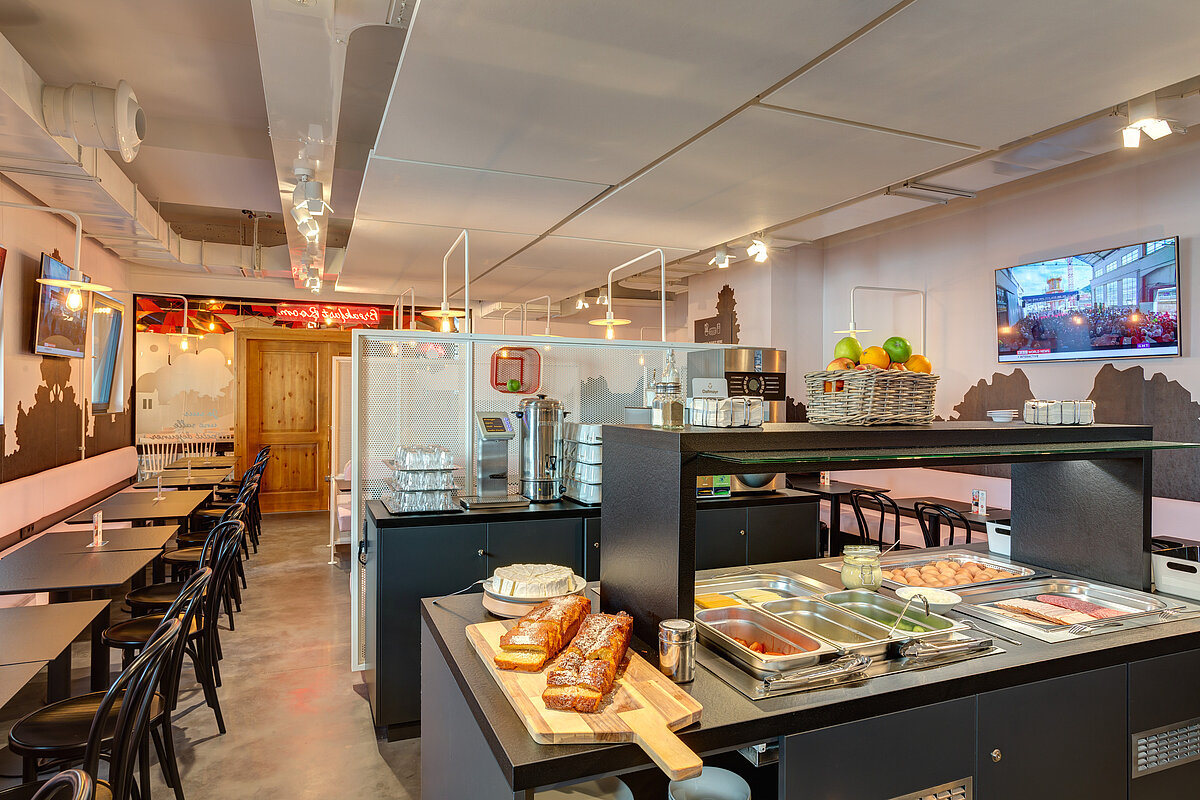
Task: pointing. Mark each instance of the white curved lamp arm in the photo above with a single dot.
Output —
(662, 264)
(65, 212)
(546, 297)
(892, 290)
(465, 238)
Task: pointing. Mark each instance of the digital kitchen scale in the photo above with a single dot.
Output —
(494, 430)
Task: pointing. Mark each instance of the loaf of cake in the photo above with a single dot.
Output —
(532, 580)
(539, 635)
(580, 677)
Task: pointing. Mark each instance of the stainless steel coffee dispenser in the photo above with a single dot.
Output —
(540, 444)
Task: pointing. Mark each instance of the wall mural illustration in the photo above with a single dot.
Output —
(1121, 396)
(47, 433)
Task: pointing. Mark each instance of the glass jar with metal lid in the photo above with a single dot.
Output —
(667, 409)
(860, 567)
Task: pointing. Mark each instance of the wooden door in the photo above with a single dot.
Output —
(284, 401)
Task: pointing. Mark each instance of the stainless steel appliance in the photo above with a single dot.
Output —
(749, 372)
(540, 443)
(494, 430)
(758, 483)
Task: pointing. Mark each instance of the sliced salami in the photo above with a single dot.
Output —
(1083, 606)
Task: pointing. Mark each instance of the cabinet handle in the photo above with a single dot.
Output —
(479, 552)
(596, 545)
(743, 533)
(996, 755)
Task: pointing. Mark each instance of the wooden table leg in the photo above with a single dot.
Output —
(101, 673)
(58, 678)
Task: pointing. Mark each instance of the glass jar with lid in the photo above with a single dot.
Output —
(860, 567)
(667, 410)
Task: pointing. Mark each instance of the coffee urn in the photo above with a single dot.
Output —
(540, 444)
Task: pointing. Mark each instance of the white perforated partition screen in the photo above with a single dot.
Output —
(422, 389)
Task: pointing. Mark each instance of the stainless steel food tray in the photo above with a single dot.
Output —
(884, 611)
(718, 626)
(913, 558)
(786, 583)
(844, 629)
(1137, 605)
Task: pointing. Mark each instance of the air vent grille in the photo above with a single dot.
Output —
(1170, 746)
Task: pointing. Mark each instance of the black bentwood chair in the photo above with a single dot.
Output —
(887, 510)
(928, 512)
(119, 723)
(70, 784)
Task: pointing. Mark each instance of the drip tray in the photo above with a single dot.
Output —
(750, 686)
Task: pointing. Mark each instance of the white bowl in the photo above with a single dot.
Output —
(940, 600)
(603, 789)
(713, 783)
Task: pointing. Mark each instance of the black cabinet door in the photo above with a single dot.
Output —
(887, 756)
(1064, 737)
(591, 548)
(414, 563)
(720, 537)
(782, 533)
(547, 541)
(1164, 702)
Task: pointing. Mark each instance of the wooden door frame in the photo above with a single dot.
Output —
(241, 343)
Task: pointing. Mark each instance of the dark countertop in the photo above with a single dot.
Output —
(564, 509)
(732, 720)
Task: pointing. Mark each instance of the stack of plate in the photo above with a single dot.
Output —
(1003, 415)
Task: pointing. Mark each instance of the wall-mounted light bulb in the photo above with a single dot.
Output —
(74, 300)
(608, 333)
(446, 325)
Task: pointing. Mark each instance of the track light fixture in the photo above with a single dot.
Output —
(309, 194)
(721, 259)
(758, 250)
(1144, 118)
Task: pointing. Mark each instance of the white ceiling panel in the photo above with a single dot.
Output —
(578, 264)
(206, 179)
(760, 168)
(864, 212)
(424, 194)
(592, 91)
(989, 73)
(388, 257)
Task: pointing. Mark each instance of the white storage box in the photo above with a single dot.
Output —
(1177, 571)
(999, 538)
(584, 433)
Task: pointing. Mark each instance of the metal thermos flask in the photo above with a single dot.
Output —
(540, 443)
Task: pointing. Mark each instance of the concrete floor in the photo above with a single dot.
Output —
(297, 718)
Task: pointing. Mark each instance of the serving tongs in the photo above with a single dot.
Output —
(846, 668)
(921, 649)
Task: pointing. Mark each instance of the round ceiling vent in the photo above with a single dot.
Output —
(96, 116)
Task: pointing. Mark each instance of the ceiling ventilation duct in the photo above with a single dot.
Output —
(95, 116)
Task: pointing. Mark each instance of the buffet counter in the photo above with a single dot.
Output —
(1035, 719)
(408, 557)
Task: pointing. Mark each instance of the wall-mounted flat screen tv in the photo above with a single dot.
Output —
(59, 330)
(1121, 302)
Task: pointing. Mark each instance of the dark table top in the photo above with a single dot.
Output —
(40, 633)
(134, 506)
(77, 541)
(995, 513)
(730, 719)
(828, 490)
(28, 570)
(177, 479)
(13, 678)
(196, 462)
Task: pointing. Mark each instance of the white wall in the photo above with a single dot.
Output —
(27, 234)
(953, 257)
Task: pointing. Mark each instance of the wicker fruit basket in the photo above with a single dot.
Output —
(870, 397)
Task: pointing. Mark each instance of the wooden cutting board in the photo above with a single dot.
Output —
(645, 707)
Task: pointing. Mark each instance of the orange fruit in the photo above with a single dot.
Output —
(876, 357)
(918, 363)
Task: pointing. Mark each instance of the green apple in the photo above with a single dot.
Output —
(848, 347)
(898, 349)
(514, 385)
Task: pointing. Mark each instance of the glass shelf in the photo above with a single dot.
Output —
(963, 452)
